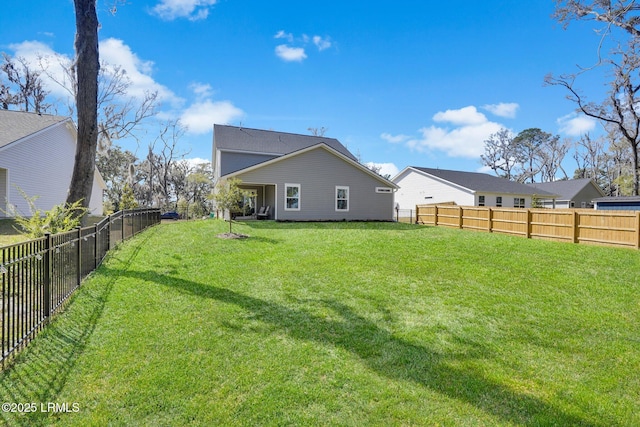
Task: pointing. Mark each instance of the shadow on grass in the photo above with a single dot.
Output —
(386, 354)
(38, 374)
(332, 225)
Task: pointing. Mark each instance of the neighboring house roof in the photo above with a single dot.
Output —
(481, 182)
(315, 147)
(15, 125)
(232, 138)
(568, 189)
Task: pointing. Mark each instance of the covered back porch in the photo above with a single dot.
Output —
(258, 196)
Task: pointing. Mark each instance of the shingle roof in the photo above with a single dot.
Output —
(271, 142)
(476, 181)
(15, 125)
(567, 190)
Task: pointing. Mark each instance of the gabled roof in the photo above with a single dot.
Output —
(568, 189)
(481, 182)
(15, 125)
(321, 145)
(232, 138)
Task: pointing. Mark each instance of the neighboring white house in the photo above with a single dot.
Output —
(37, 154)
(420, 186)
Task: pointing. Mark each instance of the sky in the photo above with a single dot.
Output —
(402, 83)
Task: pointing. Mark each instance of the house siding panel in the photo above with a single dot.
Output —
(3, 192)
(417, 189)
(230, 162)
(41, 166)
(319, 172)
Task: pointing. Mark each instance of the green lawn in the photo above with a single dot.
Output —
(351, 324)
(8, 233)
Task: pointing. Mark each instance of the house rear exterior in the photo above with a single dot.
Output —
(301, 177)
(37, 155)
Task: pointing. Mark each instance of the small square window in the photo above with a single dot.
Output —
(480, 200)
(518, 202)
(499, 201)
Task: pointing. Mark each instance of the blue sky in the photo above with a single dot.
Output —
(403, 83)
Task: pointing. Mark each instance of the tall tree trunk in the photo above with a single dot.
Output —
(87, 67)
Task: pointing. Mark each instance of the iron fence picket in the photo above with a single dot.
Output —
(37, 277)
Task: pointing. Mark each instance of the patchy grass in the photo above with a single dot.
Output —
(9, 234)
(341, 324)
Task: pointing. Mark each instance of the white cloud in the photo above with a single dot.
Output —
(464, 116)
(464, 138)
(321, 43)
(282, 35)
(195, 161)
(504, 109)
(394, 139)
(36, 54)
(389, 169)
(576, 125)
(295, 49)
(115, 52)
(290, 54)
(201, 90)
(193, 10)
(200, 116)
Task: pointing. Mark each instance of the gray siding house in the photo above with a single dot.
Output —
(301, 177)
(573, 193)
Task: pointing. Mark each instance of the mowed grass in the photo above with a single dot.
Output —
(341, 324)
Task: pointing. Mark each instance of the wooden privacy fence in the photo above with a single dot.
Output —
(614, 228)
(38, 276)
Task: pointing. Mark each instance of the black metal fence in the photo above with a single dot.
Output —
(38, 276)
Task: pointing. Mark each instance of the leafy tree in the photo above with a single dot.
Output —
(228, 196)
(127, 200)
(618, 111)
(115, 167)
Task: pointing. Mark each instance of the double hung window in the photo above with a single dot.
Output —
(292, 197)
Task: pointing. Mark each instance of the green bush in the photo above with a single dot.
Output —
(60, 218)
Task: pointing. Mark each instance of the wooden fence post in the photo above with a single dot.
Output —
(490, 221)
(460, 217)
(574, 227)
(529, 218)
(637, 230)
(435, 215)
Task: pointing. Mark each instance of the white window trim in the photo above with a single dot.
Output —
(285, 197)
(342, 187)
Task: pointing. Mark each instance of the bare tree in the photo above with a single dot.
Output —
(620, 108)
(23, 87)
(118, 112)
(500, 154)
(87, 66)
(553, 153)
(318, 131)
